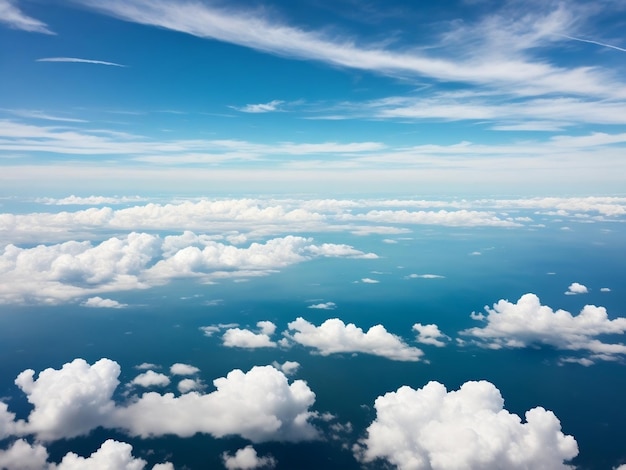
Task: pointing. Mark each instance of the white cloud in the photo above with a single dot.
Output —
(430, 334)
(242, 338)
(605, 289)
(99, 302)
(188, 385)
(424, 276)
(458, 218)
(23, 456)
(576, 288)
(324, 306)
(151, 379)
(183, 369)
(147, 366)
(80, 61)
(287, 367)
(527, 323)
(112, 455)
(261, 107)
(367, 280)
(431, 428)
(89, 200)
(247, 459)
(15, 18)
(259, 405)
(334, 336)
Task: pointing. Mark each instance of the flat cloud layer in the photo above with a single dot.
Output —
(334, 336)
(433, 429)
(527, 322)
(259, 405)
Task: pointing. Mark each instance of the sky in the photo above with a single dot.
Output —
(469, 97)
(256, 234)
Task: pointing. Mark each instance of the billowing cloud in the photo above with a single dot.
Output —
(15, 18)
(111, 454)
(99, 302)
(183, 369)
(334, 336)
(324, 306)
(576, 288)
(259, 405)
(528, 323)
(247, 459)
(24, 456)
(430, 334)
(242, 338)
(151, 379)
(432, 428)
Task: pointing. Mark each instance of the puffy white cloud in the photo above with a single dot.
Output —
(576, 288)
(527, 322)
(367, 280)
(151, 379)
(324, 306)
(247, 459)
(71, 401)
(112, 455)
(23, 456)
(430, 334)
(99, 302)
(605, 289)
(187, 385)
(431, 428)
(288, 367)
(183, 369)
(259, 405)
(146, 366)
(7, 421)
(242, 338)
(334, 336)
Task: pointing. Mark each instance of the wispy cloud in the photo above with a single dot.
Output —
(598, 43)
(34, 114)
(261, 107)
(81, 61)
(15, 18)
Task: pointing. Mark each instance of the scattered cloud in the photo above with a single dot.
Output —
(147, 366)
(80, 61)
(430, 334)
(576, 288)
(528, 323)
(334, 337)
(189, 385)
(99, 302)
(151, 379)
(183, 369)
(467, 428)
(287, 367)
(13, 17)
(424, 276)
(242, 338)
(367, 280)
(605, 289)
(247, 459)
(324, 306)
(273, 105)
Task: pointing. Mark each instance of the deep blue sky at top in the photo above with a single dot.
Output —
(448, 94)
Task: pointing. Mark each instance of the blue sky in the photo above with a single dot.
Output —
(346, 96)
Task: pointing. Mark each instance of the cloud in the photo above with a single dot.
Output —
(147, 366)
(89, 200)
(188, 385)
(183, 369)
(605, 289)
(431, 428)
(243, 338)
(324, 306)
(576, 288)
(597, 43)
(111, 454)
(14, 18)
(261, 108)
(99, 302)
(528, 323)
(424, 276)
(287, 367)
(334, 336)
(80, 61)
(430, 334)
(460, 218)
(259, 405)
(247, 459)
(24, 456)
(151, 379)
(367, 280)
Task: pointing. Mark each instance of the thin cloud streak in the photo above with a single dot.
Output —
(598, 43)
(14, 18)
(81, 61)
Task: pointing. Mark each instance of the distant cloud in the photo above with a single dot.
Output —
(89, 200)
(430, 334)
(151, 379)
(432, 427)
(576, 288)
(189, 385)
(77, 60)
(605, 289)
(424, 276)
(99, 302)
(14, 18)
(527, 323)
(287, 367)
(183, 369)
(334, 337)
(242, 338)
(324, 306)
(260, 108)
(247, 459)
(597, 43)
(367, 280)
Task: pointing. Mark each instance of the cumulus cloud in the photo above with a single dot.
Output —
(147, 366)
(99, 302)
(151, 379)
(430, 334)
(576, 288)
(247, 459)
(431, 428)
(242, 338)
(334, 336)
(111, 455)
(324, 306)
(183, 369)
(605, 289)
(528, 323)
(288, 367)
(24, 456)
(259, 405)
(187, 385)
(367, 280)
